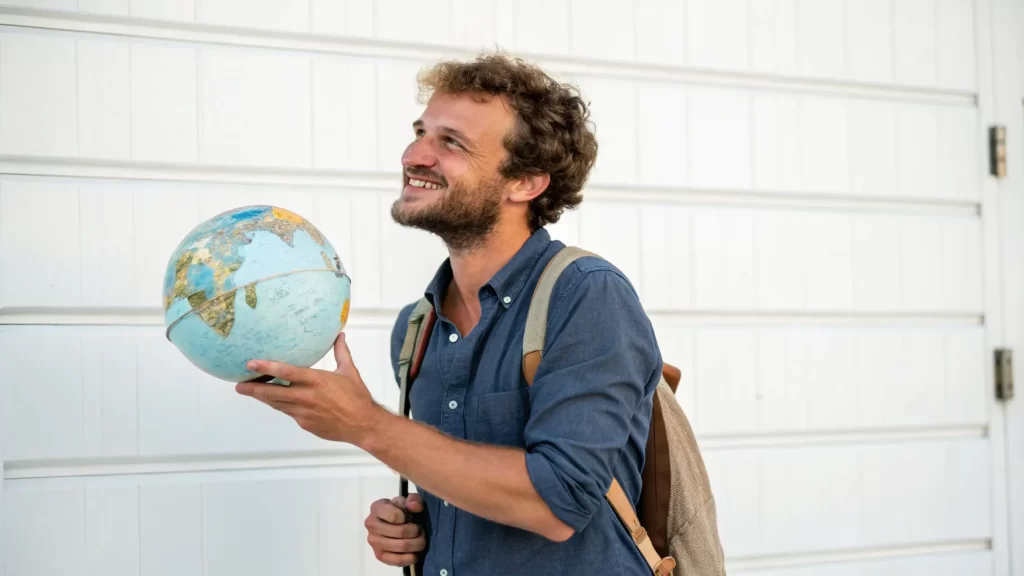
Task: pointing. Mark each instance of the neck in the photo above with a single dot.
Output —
(473, 268)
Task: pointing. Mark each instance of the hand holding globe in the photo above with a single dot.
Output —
(334, 405)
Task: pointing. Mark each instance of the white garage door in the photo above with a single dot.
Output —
(795, 186)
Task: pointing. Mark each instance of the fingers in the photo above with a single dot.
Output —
(400, 549)
(286, 372)
(285, 399)
(414, 503)
(387, 511)
(406, 531)
(268, 393)
(394, 539)
(391, 559)
(388, 518)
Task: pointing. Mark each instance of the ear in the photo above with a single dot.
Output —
(528, 187)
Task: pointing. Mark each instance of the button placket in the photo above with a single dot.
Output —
(458, 360)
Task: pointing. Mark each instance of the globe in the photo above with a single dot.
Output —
(256, 282)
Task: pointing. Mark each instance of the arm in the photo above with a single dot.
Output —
(488, 481)
(598, 366)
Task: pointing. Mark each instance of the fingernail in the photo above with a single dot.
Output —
(251, 365)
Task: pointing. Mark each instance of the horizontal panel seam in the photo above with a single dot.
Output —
(155, 465)
(85, 170)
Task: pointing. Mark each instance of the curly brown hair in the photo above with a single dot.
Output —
(553, 132)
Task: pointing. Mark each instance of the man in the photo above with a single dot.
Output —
(512, 479)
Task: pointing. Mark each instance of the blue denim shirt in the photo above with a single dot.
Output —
(585, 418)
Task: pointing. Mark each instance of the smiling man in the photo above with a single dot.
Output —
(512, 478)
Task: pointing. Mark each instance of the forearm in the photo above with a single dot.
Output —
(489, 481)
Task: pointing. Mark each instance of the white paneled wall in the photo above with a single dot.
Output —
(923, 43)
(708, 257)
(91, 98)
(795, 187)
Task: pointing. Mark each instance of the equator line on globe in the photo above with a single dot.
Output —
(254, 282)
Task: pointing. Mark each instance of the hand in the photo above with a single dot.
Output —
(332, 405)
(395, 540)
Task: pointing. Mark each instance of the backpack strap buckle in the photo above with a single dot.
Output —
(665, 567)
(624, 510)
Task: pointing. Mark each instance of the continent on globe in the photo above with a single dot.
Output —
(254, 282)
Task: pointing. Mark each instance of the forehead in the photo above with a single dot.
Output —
(480, 117)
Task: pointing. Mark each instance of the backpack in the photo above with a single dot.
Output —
(675, 525)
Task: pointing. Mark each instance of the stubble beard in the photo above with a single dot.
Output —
(462, 218)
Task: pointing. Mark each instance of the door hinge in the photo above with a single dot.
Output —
(997, 151)
(1004, 374)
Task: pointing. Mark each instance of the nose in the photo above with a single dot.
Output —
(419, 153)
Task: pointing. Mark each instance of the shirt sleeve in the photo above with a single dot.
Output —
(599, 365)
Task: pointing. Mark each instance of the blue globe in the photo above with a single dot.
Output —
(254, 282)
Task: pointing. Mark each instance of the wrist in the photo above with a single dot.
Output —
(371, 432)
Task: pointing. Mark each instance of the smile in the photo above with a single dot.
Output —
(424, 184)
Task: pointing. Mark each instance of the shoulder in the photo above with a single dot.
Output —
(595, 295)
(597, 322)
(595, 281)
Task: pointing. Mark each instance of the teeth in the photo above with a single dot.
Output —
(422, 184)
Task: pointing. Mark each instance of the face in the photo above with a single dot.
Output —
(452, 186)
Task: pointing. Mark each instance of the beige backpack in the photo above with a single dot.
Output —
(675, 525)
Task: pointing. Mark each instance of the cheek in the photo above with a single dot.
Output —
(456, 166)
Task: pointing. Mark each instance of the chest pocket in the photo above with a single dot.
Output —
(499, 418)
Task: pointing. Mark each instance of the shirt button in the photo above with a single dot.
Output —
(506, 299)
(445, 503)
(444, 572)
(453, 337)
(453, 404)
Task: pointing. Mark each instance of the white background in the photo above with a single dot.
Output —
(798, 189)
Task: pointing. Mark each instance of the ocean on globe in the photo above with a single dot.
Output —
(256, 282)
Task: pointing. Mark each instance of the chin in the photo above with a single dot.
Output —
(405, 207)
(407, 202)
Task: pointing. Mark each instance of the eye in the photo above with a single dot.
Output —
(452, 142)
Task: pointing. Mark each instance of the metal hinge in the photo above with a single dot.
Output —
(997, 151)
(1004, 374)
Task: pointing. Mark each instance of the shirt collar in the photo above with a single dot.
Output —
(507, 282)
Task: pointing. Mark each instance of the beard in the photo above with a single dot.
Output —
(462, 217)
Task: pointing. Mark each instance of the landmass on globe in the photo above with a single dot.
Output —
(205, 270)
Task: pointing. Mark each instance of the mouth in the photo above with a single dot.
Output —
(426, 184)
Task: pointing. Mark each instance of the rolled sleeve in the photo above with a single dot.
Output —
(600, 364)
(550, 484)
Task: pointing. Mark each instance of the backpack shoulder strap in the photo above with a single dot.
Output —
(533, 350)
(537, 316)
(414, 347)
(417, 334)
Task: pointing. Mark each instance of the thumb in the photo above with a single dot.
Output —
(343, 356)
(414, 503)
